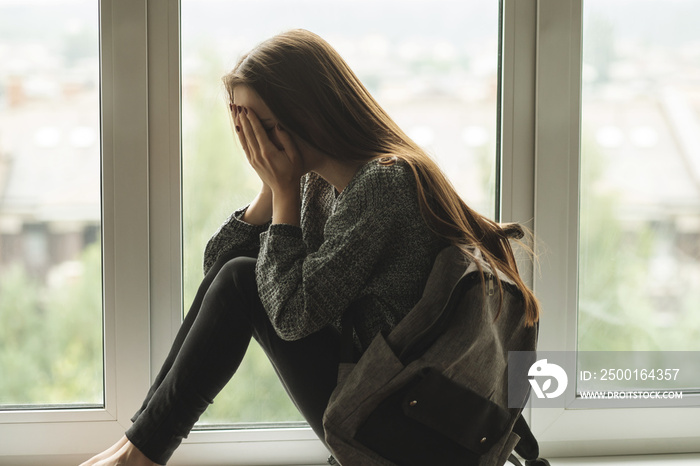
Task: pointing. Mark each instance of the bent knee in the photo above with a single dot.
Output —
(238, 273)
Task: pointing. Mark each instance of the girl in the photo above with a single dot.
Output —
(350, 217)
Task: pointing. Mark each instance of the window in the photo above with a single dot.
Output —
(98, 120)
(541, 131)
(50, 214)
(640, 178)
(598, 133)
(640, 185)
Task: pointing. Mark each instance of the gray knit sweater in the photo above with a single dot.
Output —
(367, 248)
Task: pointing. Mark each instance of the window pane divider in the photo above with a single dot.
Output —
(517, 125)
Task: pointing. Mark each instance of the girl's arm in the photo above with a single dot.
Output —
(259, 211)
(304, 290)
(280, 168)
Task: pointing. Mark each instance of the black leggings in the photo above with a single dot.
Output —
(208, 349)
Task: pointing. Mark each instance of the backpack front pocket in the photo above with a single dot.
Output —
(433, 420)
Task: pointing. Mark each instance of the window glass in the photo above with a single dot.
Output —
(50, 215)
(432, 64)
(639, 276)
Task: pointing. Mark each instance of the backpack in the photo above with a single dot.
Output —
(434, 390)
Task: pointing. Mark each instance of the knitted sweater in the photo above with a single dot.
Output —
(367, 248)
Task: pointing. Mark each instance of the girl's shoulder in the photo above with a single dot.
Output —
(374, 183)
(386, 175)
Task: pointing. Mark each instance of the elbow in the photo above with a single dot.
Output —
(209, 257)
(288, 333)
(291, 318)
(287, 336)
(290, 327)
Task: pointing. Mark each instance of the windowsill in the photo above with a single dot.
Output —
(689, 459)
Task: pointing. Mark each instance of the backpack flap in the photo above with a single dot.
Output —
(433, 420)
(456, 411)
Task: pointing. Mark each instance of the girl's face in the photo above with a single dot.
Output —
(246, 97)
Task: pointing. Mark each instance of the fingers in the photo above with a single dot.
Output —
(257, 127)
(265, 147)
(239, 131)
(251, 138)
(273, 156)
(264, 154)
(288, 143)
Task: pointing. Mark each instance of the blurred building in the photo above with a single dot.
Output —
(49, 171)
(642, 115)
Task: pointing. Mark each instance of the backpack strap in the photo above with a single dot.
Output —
(527, 447)
(538, 462)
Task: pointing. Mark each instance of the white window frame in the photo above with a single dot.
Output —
(142, 238)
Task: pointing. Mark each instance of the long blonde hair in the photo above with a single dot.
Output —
(315, 95)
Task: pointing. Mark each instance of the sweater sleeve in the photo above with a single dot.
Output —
(234, 234)
(303, 291)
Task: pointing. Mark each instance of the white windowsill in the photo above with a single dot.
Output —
(689, 459)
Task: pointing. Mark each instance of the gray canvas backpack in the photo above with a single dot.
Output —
(434, 391)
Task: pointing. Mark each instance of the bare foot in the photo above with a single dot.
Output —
(107, 453)
(126, 455)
